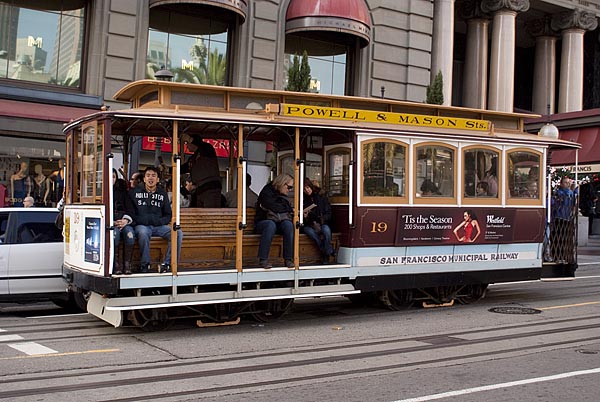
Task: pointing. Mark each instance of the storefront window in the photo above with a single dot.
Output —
(42, 46)
(523, 175)
(435, 171)
(327, 63)
(481, 173)
(199, 59)
(384, 169)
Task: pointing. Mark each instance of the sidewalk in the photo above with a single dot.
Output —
(592, 247)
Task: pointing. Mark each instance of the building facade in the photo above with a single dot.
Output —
(60, 59)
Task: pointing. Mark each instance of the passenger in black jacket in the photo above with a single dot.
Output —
(123, 211)
(274, 215)
(152, 218)
(316, 220)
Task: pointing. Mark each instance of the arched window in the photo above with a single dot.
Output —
(434, 170)
(194, 41)
(523, 176)
(383, 171)
(481, 175)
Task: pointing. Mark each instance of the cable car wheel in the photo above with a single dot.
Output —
(472, 293)
(397, 300)
(270, 310)
(150, 319)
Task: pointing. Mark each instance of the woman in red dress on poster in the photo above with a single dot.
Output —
(469, 223)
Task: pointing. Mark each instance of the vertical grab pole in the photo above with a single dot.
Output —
(297, 205)
(175, 221)
(241, 201)
(301, 190)
(350, 192)
(110, 215)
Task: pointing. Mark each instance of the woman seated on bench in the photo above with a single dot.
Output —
(317, 214)
(274, 215)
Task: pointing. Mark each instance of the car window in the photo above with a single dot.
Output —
(38, 232)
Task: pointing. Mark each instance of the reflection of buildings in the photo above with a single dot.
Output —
(8, 33)
(66, 62)
(30, 61)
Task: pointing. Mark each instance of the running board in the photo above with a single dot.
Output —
(192, 299)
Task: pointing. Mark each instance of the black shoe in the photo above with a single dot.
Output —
(289, 263)
(117, 271)
(325, 259)
(145, 268)
(127, 268)
(164, 268)
(264, 264)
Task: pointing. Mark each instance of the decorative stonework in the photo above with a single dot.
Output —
(492, 6)
(541, 27)
(575, 19)
(471, 9)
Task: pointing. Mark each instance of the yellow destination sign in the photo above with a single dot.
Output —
(371, 116)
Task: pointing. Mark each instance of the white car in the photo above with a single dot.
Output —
(31, 257)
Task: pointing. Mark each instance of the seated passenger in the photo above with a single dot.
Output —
(251, 196)
(428, 188)
(123, 212)
(153, 218)
(274, 215)
(316, 219)
(482, 189)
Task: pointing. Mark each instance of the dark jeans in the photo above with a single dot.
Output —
(323, 239)
(267, 229)
(144, 233)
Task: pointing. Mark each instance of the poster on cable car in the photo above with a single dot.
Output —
(442, 226)
(426, 226)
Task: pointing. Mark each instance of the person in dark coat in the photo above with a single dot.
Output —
(274, 215)
(152, 218)
(123, 211)
(316, 220)
(203, 167)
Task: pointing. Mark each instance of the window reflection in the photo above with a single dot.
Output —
(338, 161)
(435, 171)
(384, 169)
(523, 174)
(327, 63)
(481, 173)
(41, 46)
(199, 59)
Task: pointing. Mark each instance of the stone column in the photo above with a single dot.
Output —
(544, 70)
(475, 74)
(442, 48)
(502, 62)
(573, 25)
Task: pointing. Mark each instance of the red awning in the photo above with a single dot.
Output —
(588, 137)
(350, 17)
(41, 111)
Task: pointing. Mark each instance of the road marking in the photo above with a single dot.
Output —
(569, 305)
(57, 315)
(32, 348)
(62, 354)
(9, 338)
(501, 385)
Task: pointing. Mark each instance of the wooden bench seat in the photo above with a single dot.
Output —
(209, 242)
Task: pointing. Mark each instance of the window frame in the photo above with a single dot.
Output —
(499, 173)
(539, 201)
(393, 200)
(338, 148)
(434, 200)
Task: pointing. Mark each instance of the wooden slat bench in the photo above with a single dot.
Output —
(209, 242)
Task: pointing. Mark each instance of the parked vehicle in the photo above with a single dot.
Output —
(31, 258)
